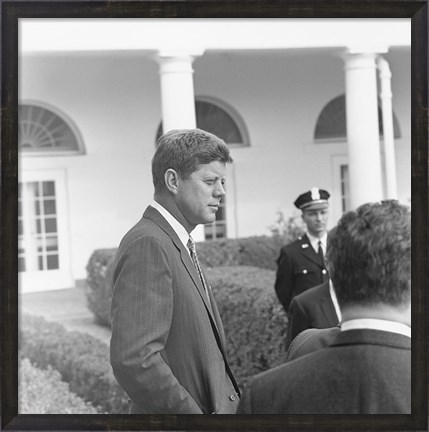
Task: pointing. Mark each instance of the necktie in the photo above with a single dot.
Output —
(194, 257)
(320, 251)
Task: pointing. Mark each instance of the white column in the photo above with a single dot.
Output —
(388, 135)
(362, 128)
(177, 89)
(178, 98)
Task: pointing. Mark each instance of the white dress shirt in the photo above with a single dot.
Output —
(314, 241)
(334, 300)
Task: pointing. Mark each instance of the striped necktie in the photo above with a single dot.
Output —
(194, 257)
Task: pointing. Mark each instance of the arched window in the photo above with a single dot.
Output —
(45, 131)
(222, 120)
(219, 119)
(331, 123)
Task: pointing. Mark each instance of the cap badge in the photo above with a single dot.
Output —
(315, 194)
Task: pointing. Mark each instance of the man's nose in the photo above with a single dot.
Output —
(220, 190)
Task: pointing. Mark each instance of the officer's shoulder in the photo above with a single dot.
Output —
(294, 243)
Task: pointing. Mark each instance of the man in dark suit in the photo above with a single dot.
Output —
(168, 346)
(314, 308)
(367, 367)
(301, 264)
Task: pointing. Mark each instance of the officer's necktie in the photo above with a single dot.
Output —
(194, 257)
(320, 251)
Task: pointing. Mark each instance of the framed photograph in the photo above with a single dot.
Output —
(87, 89)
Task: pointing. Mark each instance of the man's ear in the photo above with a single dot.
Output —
(171, 179)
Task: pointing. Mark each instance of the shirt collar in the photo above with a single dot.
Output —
(376, 324)
(334, 300)
(315, 241)
(178, 228)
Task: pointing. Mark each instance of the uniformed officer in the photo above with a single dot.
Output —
(301, 264)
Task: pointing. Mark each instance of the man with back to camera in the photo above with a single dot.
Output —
(366, 369)
(301, 264)
(168, 345)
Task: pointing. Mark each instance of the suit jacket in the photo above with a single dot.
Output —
(168, 346)
(311, 340)
(361, 372)
(311, 309)
(299, 268)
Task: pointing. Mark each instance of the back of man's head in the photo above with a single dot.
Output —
(369, 255)
(183, 150)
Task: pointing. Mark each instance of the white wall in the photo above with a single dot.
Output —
(114, 100)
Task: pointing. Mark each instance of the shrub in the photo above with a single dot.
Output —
(43, 392)
(97, 288)
(82, 361)
(254, 321)
(260, 252)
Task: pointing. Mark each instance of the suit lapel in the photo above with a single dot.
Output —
(309, 252)
(156, 217)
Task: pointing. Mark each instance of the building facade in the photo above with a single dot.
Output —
(334, 116)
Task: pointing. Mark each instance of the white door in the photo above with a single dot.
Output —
(43, 243)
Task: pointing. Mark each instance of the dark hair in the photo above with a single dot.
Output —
(369, 255)
(183, 150)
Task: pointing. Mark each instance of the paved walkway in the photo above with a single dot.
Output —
(66, 306)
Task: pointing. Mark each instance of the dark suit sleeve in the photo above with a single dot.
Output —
(142, 308)
(298, 320)
(284, 279)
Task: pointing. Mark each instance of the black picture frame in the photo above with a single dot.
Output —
(12, 11)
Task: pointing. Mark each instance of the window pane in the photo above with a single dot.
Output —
(52, 244)
(37, 207)
(53, 262)
(35, 187)
(49, 188)
(40, 130)
(38, 226)
(40, 261)
(50, 225)
(217, 121)
(21, 265)
(49, 207)
(214, 119)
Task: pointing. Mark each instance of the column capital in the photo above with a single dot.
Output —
(360, 60)
(177, 61)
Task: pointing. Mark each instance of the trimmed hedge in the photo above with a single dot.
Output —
(260, 252)
(43, 392)
(254, 321)
(97, 288)
(81, 359)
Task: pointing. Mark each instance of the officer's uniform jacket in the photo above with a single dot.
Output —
(299, 268)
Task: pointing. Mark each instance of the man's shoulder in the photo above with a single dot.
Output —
(299, 243)
(311, 340)
(290, 370)
(146, 227)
